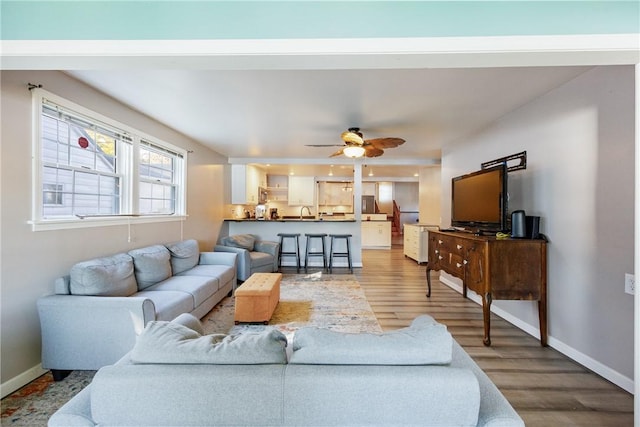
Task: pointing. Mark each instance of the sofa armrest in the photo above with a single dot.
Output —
(76, 412)
(88, 332)
(243, 260)
(219, 258)
(271, 248)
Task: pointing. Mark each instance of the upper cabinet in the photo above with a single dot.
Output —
(302, 191)
(245, 183)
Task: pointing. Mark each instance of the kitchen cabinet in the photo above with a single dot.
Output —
(302, 191)
(376, 234)
(246, 180)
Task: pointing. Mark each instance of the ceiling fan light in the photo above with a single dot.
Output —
(353, 151)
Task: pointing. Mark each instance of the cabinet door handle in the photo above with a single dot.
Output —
(458, 265)
(439, 242)
(465, 262)
(440, 257)
(459, 247)
(437, 251)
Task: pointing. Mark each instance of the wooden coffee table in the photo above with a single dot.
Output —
(257, 298)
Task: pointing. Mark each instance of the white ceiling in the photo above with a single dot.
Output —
(269, 116)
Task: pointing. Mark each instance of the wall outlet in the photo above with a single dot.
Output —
(629, 283)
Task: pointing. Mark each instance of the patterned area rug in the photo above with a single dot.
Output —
(334, 302)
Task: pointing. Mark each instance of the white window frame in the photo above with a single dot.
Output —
(128, 163)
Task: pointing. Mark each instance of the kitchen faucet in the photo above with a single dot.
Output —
(302, 209)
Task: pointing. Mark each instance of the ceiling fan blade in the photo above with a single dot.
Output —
(323, 145)
(352, 138)
(384, 143)
(371, 151)
(337, 153)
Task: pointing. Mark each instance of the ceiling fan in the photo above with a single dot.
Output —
(356, 146)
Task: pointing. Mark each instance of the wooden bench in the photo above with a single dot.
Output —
(257, 298)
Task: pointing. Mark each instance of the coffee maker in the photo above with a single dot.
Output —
(273, 213)
(260, 211)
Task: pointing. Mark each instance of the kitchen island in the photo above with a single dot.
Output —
(269, 229)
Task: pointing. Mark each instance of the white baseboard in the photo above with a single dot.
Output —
(21, 380)
(604, 371)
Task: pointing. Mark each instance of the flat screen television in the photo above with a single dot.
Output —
(479, 200)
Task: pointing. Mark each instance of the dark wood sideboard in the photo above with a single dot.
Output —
(509, 269)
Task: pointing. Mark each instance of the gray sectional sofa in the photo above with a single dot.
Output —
(175, 376)
(97, 311)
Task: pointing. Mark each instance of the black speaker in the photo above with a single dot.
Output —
(533, 227)
(518, 224)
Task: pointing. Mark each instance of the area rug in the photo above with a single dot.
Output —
(334, 302)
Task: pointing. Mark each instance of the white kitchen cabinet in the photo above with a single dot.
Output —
(245, 183)
(376, 234)
(416, 238)
(302, 191)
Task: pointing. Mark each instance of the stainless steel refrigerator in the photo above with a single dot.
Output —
(368, 204)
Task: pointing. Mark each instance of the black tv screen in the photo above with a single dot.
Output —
(479, 199)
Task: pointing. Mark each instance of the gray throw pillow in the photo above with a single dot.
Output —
(173, 343)
(151, 264)
(184, 255)
(244, 241)
(425, 342)
(109, 276)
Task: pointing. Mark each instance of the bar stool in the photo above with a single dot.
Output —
(282, 253)
(308, 252)
(347, 254)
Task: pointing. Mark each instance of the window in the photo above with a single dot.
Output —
(89, 166)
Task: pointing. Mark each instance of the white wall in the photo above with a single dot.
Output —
(579, 140)
(430, 195)
(30, 261)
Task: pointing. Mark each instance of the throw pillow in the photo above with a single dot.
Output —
(173, 343)
(425, 342)
(244, 241)
(151, 264)
(109, 276)
(184, 255)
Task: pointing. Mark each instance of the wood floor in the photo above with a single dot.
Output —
(544, 386)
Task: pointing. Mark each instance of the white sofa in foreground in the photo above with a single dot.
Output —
(175, 376)
(99, 309)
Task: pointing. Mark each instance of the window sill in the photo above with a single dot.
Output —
(65, 224)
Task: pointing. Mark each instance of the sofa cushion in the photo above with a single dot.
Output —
(223, 273)
(425, 342)
(260, 259)
(108, 276)
(244, 241)
(200, 287)
(190, 321)
(184, 255)
(151, 264)
(173, 343)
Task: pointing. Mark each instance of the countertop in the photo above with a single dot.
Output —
(290, 220)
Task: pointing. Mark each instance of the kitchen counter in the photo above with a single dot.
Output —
(290, 220)
(267, 229)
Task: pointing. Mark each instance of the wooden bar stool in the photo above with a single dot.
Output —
(282, 252)
(308, 252)
(334, 254)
